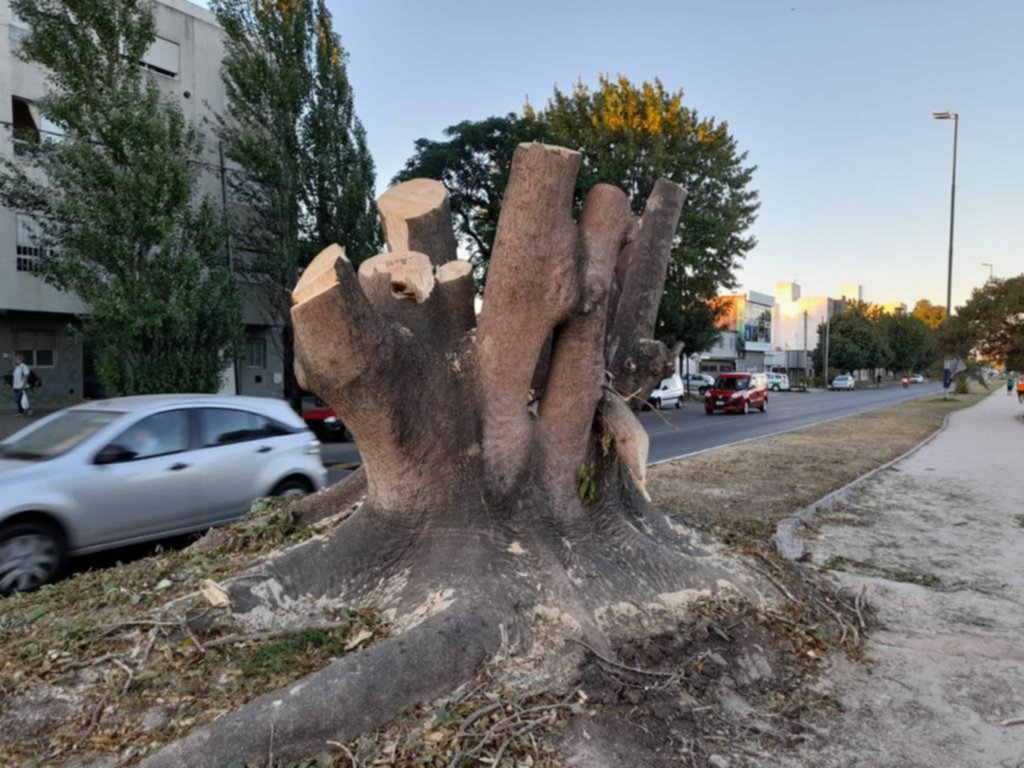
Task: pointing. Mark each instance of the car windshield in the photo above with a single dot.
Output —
(725, 382)
(57, 436)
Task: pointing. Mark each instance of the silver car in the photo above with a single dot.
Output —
(843, 381)
(121, 471)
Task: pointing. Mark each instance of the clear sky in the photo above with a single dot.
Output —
(832, 99)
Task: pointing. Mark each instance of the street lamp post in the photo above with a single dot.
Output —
(991, 271)
(952, 211)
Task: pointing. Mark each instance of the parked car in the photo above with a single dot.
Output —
(697, 382)
(778, 382)
(737, 393)
(325, 424)
(669, 392)
(843, 381)
(917, 378)
(117, 472)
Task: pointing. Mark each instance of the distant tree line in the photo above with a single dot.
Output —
(865, 337)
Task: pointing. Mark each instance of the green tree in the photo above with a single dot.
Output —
(122, 223)
(306, 176)
(855, 341)
(911, 342)
(990, 326)
(630, 136)
(930, 314)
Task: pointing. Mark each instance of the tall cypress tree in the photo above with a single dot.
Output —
(305, 176)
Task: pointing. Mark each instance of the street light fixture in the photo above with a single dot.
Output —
(952, 210)
(991, 273)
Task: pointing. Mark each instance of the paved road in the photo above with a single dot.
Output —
(690, 430)
(678, 432)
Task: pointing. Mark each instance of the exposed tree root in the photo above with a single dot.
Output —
(346, 495)
(357, 693)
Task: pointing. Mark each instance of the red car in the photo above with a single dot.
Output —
(737, 393)
(325, 424)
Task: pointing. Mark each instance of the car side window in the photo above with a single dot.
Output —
(156, 435)
(224, 426)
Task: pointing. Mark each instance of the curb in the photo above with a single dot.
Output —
(788, 541)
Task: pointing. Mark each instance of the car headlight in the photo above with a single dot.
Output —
(736, 394)
(313, 447)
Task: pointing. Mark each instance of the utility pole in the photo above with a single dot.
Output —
(807, 366)
(828, 324)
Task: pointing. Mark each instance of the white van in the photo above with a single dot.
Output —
(778, 382)
(669, 392)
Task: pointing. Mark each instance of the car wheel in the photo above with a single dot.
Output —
(31, 555)
(709, 411)
(702, 391)
(292, 486)
(776, 388)
(679, 402)
(746, 407)
(656, 404)
(764, 405)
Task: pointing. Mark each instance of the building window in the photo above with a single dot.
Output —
(18, 29)
(255, 352)
(28, 248)
(29, 127)
(162, 58)
(37, 348)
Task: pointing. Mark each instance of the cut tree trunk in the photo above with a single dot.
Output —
(486, 500)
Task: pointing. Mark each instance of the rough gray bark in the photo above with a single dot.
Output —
(481, 503)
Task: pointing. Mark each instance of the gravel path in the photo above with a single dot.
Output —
(937, 542)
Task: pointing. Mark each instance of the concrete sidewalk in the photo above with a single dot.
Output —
(937, 542)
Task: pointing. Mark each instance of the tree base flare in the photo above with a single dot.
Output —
(455, 600)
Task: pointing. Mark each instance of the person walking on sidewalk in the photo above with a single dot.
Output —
(1009, 386)
(19, 381)
(1020, 390)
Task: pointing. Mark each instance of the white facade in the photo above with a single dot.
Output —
(185, 63)
(796, 319)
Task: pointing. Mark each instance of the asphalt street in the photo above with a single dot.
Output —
(679, 432)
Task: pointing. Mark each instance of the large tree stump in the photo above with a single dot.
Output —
(486, 498)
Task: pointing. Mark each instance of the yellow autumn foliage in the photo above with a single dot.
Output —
(648, 110)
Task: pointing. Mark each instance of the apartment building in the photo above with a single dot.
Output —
(38, 321)
(745, 341)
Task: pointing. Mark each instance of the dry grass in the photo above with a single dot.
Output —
(741, 492)
(97, 665)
